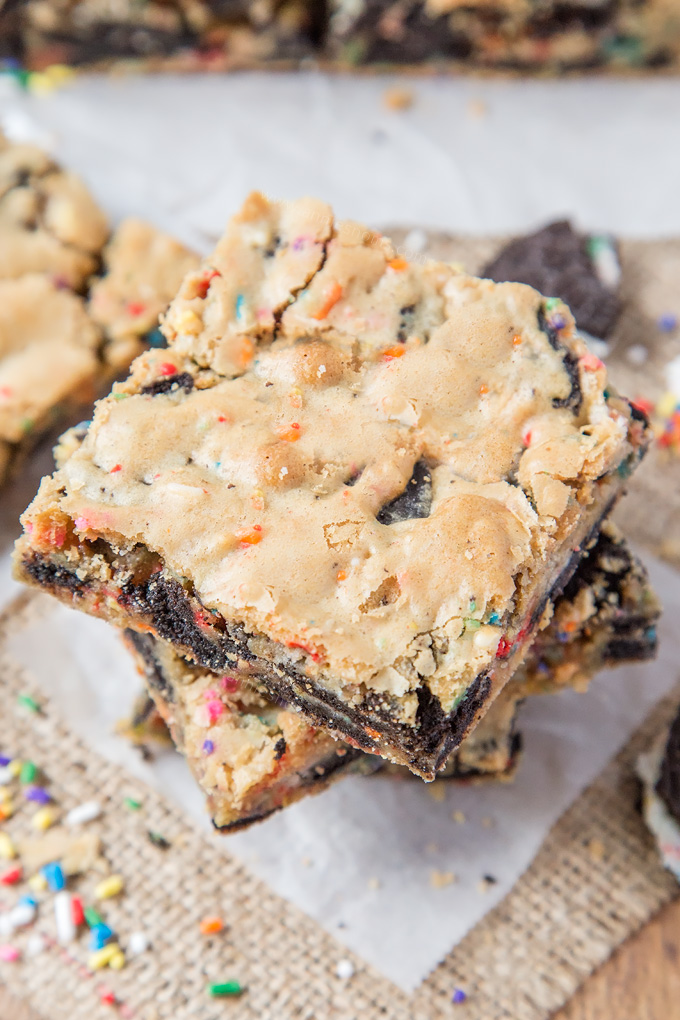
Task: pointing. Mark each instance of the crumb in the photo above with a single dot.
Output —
(485, 884)
(477, 108)
(373, 883)
(307, 862)
(488, 823)
(440, 879)
(344, 970)
(437, 791)
(398, 98)
(432, 848)
(415, 241)
(459, 816)
(596, 849)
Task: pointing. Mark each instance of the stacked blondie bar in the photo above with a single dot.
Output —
(351, 516)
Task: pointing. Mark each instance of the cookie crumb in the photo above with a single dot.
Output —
(459, 816)
(477, 108)
(432, 848)
(440, 879)
(345, 970)
(488, 823)
(437, 791)
(307, 862)
(485, 884)
(398, 98)
(373, 883)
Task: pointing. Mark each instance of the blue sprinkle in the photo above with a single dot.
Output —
(156, 339)
(4, 760)
(667, 322)
(29, 901)
(55, 876)
(240, 304)
(650, 633)
(208, 747)
(100, 934)
(494, 619)
(543, 667)
(458, 996)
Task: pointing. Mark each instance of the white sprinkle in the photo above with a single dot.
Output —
(283, 472)
(22, 914)
(637, 354)
(137, 943)
(345, 970)
(63, 915)
(605, 261)
(35, 945)
(6, 925)
(673, 376)
(415, 241)
(6, 776)
(83, 813)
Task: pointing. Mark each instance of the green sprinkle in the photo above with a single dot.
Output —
(132, 805)
(27, 425)
(473, 624)
(473, 605)
(29, 770)
(551, 303)
(26, 701)
(226, 988)
(120, 396)
(92, 917)
(158, 841)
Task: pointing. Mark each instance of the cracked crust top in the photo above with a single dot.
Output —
(49, 222)
(371, 463)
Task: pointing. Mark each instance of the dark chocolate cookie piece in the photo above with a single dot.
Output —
(668, 785)
(555, 260)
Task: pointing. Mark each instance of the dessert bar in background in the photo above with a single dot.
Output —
(487, 35)
(659, 770)
(251, 756)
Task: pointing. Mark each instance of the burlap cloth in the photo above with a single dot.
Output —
(595, 881)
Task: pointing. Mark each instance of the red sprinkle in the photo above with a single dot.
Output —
(203, 285)
(107, 998)
(644, 405)
(77, 912)
(526, 438)
(136, 308)
(230, 684)
(314, 655)
(12, 876)
(590, 362)
(503, 649)
(167, 368)
(116, 467)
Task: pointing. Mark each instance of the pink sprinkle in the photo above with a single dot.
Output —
(215, 710)
(81, 523)
(10, 954)
(591, 363)
(230, 684)
(167, 368)
(210, 694)
(5, 391)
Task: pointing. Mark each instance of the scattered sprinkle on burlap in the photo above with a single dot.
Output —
(596, 880)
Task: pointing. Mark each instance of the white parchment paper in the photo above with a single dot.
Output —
(183, 152)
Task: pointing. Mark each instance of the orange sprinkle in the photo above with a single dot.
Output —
(398, 265)
(393, 352)
(483, 389)
(211, 925)
(516, 340)
(590, 362)
(247, 351)
(373, 734)
(116, 467)
(203, 285)
(249, 536)
(333, 296)
(289, 433)
(136, 308)
(342, 576)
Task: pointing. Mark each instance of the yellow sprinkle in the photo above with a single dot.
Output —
(7, 851)
(188, 322)
(40, 83)
(59, 73)
(596, 849)
(459, 816)
(440, 879)
(43, 819)
(38, 883)
(5, 793)
(104, 956)
(14, 767)
(111, 886)
(666, 405)
(117, 961)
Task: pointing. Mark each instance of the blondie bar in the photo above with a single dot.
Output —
(365, 477)
(251, 757)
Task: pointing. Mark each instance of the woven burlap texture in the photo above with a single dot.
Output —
(596, 880)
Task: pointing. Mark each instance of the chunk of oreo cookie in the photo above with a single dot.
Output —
(668, 785)
(556, 261)
(414, 501)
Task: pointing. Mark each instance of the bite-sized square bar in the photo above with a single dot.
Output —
(143, 268)
(49, 222)
(507, 35)
(251, 757)
(363, 476)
